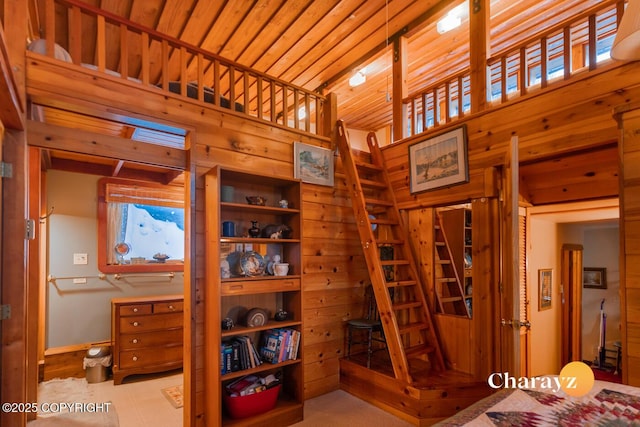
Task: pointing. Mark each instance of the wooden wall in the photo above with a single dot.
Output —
(629, 119)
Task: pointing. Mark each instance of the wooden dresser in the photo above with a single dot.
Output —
(146, 334)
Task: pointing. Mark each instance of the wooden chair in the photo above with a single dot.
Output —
(370, 325)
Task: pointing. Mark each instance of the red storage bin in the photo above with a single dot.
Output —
(252, 404)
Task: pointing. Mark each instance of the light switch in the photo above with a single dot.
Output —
(79, 280)
(79, 259)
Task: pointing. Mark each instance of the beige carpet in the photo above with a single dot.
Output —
(72, 391)
(174, 395)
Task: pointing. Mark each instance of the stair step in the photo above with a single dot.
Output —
(389, 242)
(450, 299)
(383, 221)
(440, 244)
(407, 305)
(378, 202)
(372, 184)
(395, 262)
(446, 279)
(367, 166)
(419, 350)
(401, 283)
(412, 327)
(443, 261)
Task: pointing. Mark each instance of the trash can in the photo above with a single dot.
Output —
(97, 362)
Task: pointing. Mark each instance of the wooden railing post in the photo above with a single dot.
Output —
(478, 49)
(399, 88)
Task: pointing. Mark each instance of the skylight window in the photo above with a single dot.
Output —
(453, 19)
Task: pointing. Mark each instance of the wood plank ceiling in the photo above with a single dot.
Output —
(320, 44)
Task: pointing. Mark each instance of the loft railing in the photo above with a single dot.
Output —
(579, 44)
(111, 44)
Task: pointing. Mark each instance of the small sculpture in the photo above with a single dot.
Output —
(256, 200)
(225, 269)
(254, 231)
(276, 231)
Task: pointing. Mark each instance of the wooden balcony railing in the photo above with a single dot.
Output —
(579, 44)
(111, 44)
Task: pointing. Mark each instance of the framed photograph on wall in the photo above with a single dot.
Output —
(439, 161)
(544, 288)
(594, 278)
(313, 164)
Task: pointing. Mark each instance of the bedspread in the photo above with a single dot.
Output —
(607, 404)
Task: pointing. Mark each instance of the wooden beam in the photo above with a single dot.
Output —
(478, 49)
(400, 91)
(78, 141)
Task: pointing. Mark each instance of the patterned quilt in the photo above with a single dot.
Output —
(607, 404)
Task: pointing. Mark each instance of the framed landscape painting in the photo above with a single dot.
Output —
(313, 164)
(439, 161)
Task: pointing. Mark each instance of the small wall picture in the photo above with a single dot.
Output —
(313, 164)
(544, 288)
(439, 161)
(594, 278)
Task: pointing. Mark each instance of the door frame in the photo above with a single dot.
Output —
(571, 302)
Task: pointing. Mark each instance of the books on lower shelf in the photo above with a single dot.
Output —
(238, 354)
(280, 344)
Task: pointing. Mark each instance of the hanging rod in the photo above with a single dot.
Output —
(52, 279)
(120, 276)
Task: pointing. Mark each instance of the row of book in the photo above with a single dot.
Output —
(238, 354)
(279, 344)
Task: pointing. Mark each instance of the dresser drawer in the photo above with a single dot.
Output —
(150, 322)
(167, 307)
(149, 356)
(150, 339)
(135, 309)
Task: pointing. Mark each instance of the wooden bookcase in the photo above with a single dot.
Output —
(232, 297)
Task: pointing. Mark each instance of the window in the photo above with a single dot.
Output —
(140, 226)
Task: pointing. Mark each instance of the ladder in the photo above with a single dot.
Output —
(448, 285)
(400, 298)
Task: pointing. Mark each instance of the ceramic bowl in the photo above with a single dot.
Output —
(256, 200)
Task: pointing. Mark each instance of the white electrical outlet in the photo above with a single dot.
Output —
(80, 259)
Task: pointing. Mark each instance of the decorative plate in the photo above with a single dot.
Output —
(256, 317)
(252, 263)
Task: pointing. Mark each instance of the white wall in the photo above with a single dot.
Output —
(81, 313)
(544, 253)
(600, 241)
(601, 249)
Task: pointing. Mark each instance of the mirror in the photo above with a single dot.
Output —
(140, 226)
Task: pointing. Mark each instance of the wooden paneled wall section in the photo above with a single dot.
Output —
(334, 269)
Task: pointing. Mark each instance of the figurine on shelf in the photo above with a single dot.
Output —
(254, 231)
(276, 231)
(225, 269)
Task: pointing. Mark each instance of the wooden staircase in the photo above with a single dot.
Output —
(400, 298)
(448, 285)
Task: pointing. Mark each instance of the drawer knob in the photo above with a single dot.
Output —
(135, 340)
(135, 323)
(134, 358)
(135, 309)
(171, 307)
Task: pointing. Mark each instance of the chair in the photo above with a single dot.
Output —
(370, 325)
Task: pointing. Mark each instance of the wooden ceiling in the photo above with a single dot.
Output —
(320, 44)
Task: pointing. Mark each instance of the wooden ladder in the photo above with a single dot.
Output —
(448, 286)
(400, 298)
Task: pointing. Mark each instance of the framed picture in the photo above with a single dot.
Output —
(594, 278)
(313, 164)
(544, 288)
(439, 161)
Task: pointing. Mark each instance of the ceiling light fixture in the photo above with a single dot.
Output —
(358, 78)
(452, 20)
(626, 45)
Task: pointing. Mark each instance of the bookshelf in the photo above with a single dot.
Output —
(240, 280)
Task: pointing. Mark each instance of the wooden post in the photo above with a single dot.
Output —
(478, 48)
(399, 88)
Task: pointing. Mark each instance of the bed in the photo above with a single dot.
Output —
(607, 404)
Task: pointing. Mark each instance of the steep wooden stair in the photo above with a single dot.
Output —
(448, 285)
(406, 319)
